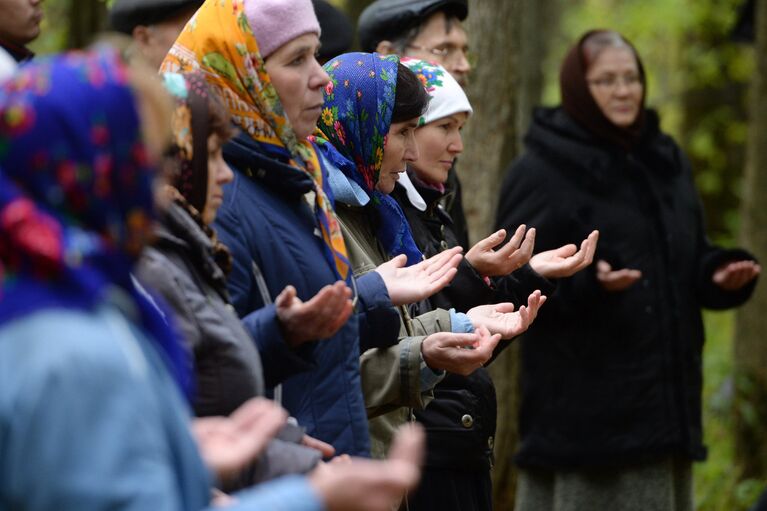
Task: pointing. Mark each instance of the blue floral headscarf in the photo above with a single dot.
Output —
(76, 197)
(359, 101)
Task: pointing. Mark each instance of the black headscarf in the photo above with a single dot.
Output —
(578, 102)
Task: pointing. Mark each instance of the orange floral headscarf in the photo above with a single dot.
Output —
(219, 43)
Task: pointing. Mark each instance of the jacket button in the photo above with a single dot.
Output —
(443, 244)
(490, 442)
(467, 421)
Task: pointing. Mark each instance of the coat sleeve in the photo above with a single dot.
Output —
(259, 319)
(379, 321)
(155, 272)
(528, 197)
(711, 257)
(67, 422)
(391, 377)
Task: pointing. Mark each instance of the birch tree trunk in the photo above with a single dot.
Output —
(510, 40)
(751, 322)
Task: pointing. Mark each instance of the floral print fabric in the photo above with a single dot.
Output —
(356, 118)
(76, 196)
(219, 42)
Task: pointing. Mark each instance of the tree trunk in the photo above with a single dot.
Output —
(751, 323)
(509, 40)
(86, 18)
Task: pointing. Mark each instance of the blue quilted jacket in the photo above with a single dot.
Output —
(265, 220)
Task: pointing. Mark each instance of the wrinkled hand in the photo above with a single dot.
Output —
(512, 256)
(319, 318)
(567, 260)
(459, 353)
(417, 282)
(616, 280)
(367, 485)
(501, 319)
(230, 444)
(325, 449)
(736, 274)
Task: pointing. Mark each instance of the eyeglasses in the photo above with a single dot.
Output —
(612, 82)
(448, 54)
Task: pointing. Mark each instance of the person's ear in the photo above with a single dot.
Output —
(141, 35)
(385, 48)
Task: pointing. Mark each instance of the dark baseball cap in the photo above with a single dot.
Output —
(385, 19)
(125, 15)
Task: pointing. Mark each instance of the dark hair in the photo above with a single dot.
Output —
(405, 37)
(410, 98)
(594, 44)
(220, 120)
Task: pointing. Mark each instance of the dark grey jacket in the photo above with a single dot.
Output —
(180, 267)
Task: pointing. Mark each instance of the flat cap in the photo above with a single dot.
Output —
(337, 33)
(386, 19)
(125, 15)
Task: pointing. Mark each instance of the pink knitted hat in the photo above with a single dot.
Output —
(276, 22)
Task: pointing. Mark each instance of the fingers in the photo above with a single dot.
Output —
(616, 280)
(735, 275)
(408, 444)
(286, 297)
(589, 245)
(603, 267)
(504, 307)
(449, 340)
(495, 239)
(518, 236)
(325, 449)
(487, 343)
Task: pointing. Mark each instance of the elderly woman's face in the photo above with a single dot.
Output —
(400, 148)
(299, 81)
(615, 84)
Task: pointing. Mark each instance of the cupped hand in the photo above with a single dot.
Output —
(516, 253)
(319, 318)
(414, 283)
(736, 274)
(230, 444)
(616, 280)
(459, 353)
(368, 485)
(325, 448)
(501, 319)
(567, 260)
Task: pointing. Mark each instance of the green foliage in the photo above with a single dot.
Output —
(717, 485)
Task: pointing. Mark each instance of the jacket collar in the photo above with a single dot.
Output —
(19, 53)
(556, 135)
(251, 159)
(179, 231)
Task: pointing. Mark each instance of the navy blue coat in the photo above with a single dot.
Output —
(265, 219)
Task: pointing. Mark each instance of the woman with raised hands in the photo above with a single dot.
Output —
(372, 106)
(85, 357)
(188, 266)
(612, 372)
(278, 221)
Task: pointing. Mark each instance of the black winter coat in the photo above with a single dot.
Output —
(614, 378)
(460, 422)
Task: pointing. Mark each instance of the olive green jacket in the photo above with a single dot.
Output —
(391, 377)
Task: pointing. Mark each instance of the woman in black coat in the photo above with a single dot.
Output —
(460, 422)
(611, 389)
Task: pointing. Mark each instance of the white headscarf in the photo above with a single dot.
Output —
(446, 97)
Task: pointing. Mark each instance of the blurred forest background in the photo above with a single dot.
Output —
(708, 79)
